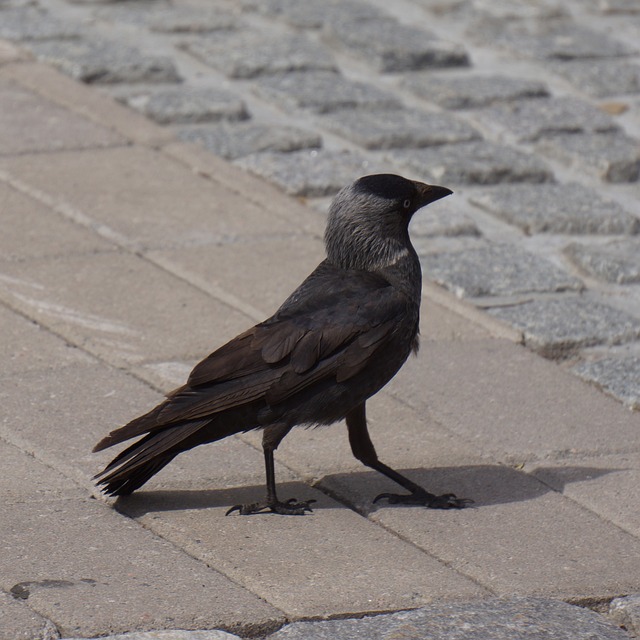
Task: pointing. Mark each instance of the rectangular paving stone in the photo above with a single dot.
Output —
(385, 129)
(153, 213)
(295, 564)
(310, 173)
(496, 270)
(559, 327)
(471, 92)
(236, 140)
(598, 483)
(98, 61)
(112, 576)
(390, 46)
(531, 120)
(32, 230)
(272, 266)
(323, 92)
(33, 23)
(121, 307)
(556, 208)
(616, 262)
(187, 105)
(30, 347)
(472, 163)
(448, 219)
(474, 389)
(548, 39)
(248, 55)
(600, 78)
(23, 128)
(617, 375)
(530, 552)
(611, 157)
(491, 618)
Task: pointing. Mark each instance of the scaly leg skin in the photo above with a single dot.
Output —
(289, 508)
(426, 499)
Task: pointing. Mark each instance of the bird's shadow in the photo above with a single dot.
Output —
(486, 485)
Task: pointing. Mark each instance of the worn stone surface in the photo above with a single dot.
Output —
(469, 92)
(33, 23)
(504, 619)
(104, 62)
(558, 39)
(479, 163)
(556, 208)
(233, 141)
(447, 219)
(616, 6)
(323, 92)
(246, 55)
(530, 120)
(600, 78)
(557, 328)
(617, 375)
(611, 157)
(626, 612)
(309, 173)
(392, 47)
(171, 634)
(19, 622)
(385, 129)
(496, 270)
(617, 261)
(188, 105)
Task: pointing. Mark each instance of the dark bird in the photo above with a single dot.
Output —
(334, 342)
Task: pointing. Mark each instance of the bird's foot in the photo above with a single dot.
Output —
(289, 508)
(426, 499)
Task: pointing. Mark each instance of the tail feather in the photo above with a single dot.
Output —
(124, 481)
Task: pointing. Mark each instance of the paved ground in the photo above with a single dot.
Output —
(120, 258)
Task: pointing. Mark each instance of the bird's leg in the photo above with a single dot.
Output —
(271, 438)
(364, 451)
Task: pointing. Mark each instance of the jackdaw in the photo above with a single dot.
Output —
(334, 342)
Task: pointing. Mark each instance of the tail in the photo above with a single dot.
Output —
(131, 468)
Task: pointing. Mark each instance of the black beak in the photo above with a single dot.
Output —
(430, 193)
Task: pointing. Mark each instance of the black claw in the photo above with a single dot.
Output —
(425, 499)
(289, 508)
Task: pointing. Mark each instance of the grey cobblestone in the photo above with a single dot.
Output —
(444, 221)
(495, 619)
(104, 62)
(559, 39)
(33, 23)
(453, 92)
(313, 14)
(312, 174)
(393, 47)
(617, 262)
(188, 105)
(171, 634)
(233, 141)
(530, 120)
(556, 208)
(481, 163)
(616, 6)
(600, 78)
(611, 157)
(626, 612)
(618, 375)
(519, 9)
(558, 328)
(169, 19)
(386, 129)
(495, 270)
(323, 92)
(247, 55)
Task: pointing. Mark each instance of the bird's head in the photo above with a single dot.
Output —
(369, 220)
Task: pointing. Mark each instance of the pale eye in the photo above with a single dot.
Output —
(406, 204)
